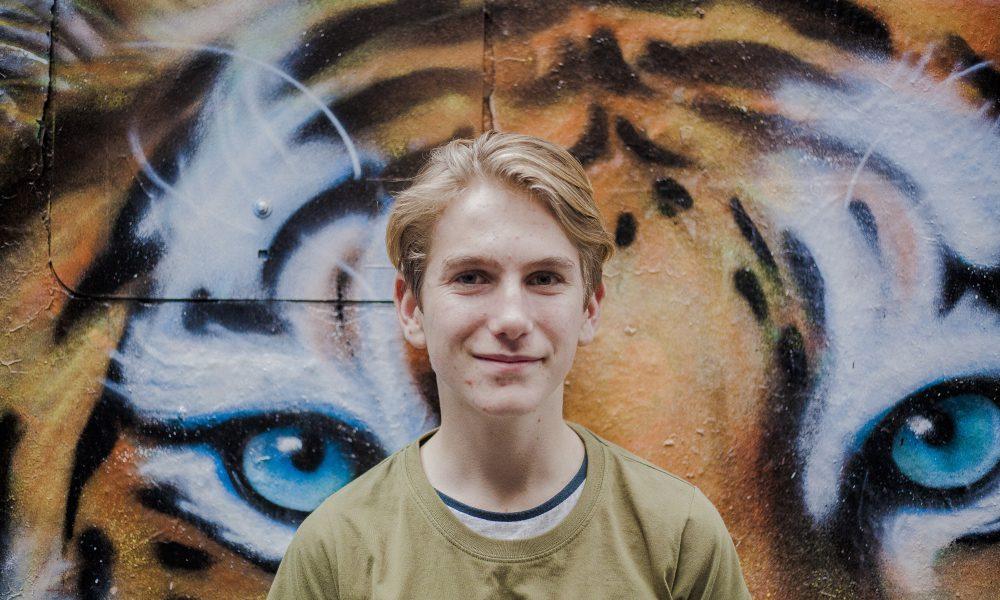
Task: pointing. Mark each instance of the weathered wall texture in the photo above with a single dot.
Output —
(196, 338)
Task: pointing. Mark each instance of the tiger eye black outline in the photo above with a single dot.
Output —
(894, 486)
(364, 452)
(229, 438)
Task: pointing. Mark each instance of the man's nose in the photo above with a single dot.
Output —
(511, 315)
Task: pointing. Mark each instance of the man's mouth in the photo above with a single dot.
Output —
(508, 358)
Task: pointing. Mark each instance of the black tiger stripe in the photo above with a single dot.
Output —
(21, 15)
(569, 74)
(986, 79)
(125, 258)
(625, 229)
(608, 67)
(354, 196)
(778, 463)
(518, 18)
(176, 556)
(866, 223)
(386, 99)
(10, 436)
(93, 447)
(243, 316)
(748, 286)
(398, 174)
(807, 277)
(670, 196)
(166, 500)
(593, 144)
(597, 64)
(961, 278)
(95, 555)
(189, 82)
(645, 148)
(426, 22)
(160, 498)
(743, 64)
(840, 22)
(979, 540)
(773, 131)
(750, 233)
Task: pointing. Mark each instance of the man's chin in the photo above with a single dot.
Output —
(504, 406)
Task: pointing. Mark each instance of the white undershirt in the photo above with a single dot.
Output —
(522, 524)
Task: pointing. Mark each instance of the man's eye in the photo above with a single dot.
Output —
(469, 278)
(546, 278)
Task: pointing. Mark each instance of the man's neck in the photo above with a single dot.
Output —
(502, 464)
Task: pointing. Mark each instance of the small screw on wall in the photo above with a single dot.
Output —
(262, 209)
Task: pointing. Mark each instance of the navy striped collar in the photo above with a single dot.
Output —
(521, 515)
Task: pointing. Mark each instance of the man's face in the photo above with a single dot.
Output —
(502, 303)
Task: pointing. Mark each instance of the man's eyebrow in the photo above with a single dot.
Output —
(463, 261)
(554, 262)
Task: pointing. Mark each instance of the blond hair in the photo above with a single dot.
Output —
(544, 170)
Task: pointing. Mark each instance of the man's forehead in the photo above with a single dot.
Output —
(465, 259)
(489, 199)
(496, 237)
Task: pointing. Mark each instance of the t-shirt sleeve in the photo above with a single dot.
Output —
(307, 571)
(707, 565)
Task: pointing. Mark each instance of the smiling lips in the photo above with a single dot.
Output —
(507, 358)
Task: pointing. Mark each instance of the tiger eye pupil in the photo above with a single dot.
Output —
(309, 457)
(933, 427)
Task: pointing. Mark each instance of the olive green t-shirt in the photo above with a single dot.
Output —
(636, 532)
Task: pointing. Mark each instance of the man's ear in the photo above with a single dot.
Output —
(411, 318)
(592, 313)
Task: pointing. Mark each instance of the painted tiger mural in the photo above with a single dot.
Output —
(802, 317)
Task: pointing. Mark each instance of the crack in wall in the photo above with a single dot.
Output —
(489, 66)
(46, 104)
(46, 134)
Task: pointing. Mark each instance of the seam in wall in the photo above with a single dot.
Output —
(489, 66)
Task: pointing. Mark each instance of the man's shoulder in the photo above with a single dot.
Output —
(338, 529)
(657, 493)
(357, 498)
(682, 516)
(649, 477)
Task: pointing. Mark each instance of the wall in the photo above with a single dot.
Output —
(198, 341)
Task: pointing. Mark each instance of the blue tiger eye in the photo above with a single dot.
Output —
(953, 444)
(294, 470)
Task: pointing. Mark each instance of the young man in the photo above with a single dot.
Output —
(499, 248)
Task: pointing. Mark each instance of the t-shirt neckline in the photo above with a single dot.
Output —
(444, 520)
(521, 515)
